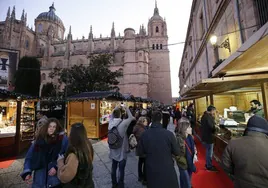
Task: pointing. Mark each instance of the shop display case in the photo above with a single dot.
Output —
(27, 121)
(8, 111)
(106, 108)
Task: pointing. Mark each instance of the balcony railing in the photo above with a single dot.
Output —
(262, 8)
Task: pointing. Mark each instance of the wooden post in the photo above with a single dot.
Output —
(98, 119)
(264, 90)
(211, 99)
(207, 101)
(17, 135)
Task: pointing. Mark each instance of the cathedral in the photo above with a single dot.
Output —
(143, 56)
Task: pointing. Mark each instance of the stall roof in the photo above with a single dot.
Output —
(220, 85)
(128, 97)
(97, 95)
(251, 57)
(5, 94)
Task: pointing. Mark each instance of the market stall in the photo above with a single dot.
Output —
(17, 117)
(93, 109)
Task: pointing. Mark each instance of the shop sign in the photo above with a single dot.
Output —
(92, 106)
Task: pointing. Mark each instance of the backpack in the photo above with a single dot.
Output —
(132, 141)
(115, 141)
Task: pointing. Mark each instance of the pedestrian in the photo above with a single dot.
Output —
(42, 120)
(139, 129)
(42, 156)
(208, 130)
(119, 155)
(166, 118)
(191, 116)
(159, 145)
(185, 160)
(75, 167)
(245, 159)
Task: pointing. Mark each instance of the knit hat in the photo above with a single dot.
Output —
(257, 123)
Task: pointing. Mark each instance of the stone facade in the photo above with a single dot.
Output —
(236, 20)
(143, 56)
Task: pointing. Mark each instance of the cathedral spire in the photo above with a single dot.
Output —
(90, 36)
(70, 30)
(8, 12)
(13, 14)
(113, 31)
(70, 33)
(25, 18)
(156, 11)
(22, 16)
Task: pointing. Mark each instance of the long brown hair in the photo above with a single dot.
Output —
(79, 144)
(42, 132)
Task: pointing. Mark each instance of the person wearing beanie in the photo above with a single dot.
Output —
(245, 159)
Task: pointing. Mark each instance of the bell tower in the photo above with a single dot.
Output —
(159, 66)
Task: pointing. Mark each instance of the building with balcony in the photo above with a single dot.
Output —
(225, 57)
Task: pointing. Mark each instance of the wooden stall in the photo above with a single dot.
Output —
(93, 109)
(17, 120)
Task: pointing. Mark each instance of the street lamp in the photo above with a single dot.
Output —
(225, 44)
(213, 40)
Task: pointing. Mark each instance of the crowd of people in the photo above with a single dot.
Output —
(58, 161)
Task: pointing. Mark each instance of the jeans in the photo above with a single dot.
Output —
(142, 169)
(122, 165)
(185, 178)
(209, 154)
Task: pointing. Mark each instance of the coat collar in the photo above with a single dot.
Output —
(156, 125)
(256, 134)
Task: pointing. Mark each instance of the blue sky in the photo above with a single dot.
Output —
(80, 14)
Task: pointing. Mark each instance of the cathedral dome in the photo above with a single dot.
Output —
(50, 16)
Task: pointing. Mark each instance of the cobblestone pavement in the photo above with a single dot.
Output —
(10, 177)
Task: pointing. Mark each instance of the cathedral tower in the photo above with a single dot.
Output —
(159, 68)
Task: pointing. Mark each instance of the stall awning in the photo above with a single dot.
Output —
(251, 57)
(97, 95)
(128, 97)
(220, 85)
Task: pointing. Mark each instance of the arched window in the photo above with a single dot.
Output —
(40, 28)
(43, 77)
(153, 47)
(27, 44)
(157, 46)
(161, 46)
(156, 29)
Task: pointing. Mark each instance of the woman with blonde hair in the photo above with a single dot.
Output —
(138, 130)
(75, 167)
(185, 160)
(42, 156)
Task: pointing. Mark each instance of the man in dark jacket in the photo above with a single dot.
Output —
(246, 158)
(208, 130)
(159, 145)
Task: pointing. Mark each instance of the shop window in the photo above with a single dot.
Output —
(156, 29)
(157, 46)
(153, 47)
